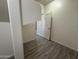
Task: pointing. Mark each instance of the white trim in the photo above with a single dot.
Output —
(5, 57)
(16, 30)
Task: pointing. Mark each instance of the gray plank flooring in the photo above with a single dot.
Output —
(41, 48)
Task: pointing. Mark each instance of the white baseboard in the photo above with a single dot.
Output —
(5, 57)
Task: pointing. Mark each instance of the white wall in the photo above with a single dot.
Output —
(31, 11)
(29, 32)
(64, 30)
(6, 47)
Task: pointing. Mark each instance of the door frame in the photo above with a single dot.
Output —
(50, 29)
(50, 26)
(16, 27)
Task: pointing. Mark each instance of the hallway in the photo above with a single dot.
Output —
(44, 49)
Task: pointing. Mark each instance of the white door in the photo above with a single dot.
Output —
(47, 26)
(44, 26)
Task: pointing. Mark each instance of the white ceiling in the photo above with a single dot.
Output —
(44, 2)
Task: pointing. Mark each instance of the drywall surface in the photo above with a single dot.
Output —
(4, 17)
(64, 14)
(29, 32)
(31, 11)
(6, 48)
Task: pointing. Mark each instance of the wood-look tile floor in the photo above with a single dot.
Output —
(43, 49)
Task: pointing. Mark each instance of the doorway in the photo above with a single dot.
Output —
(44, 26)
